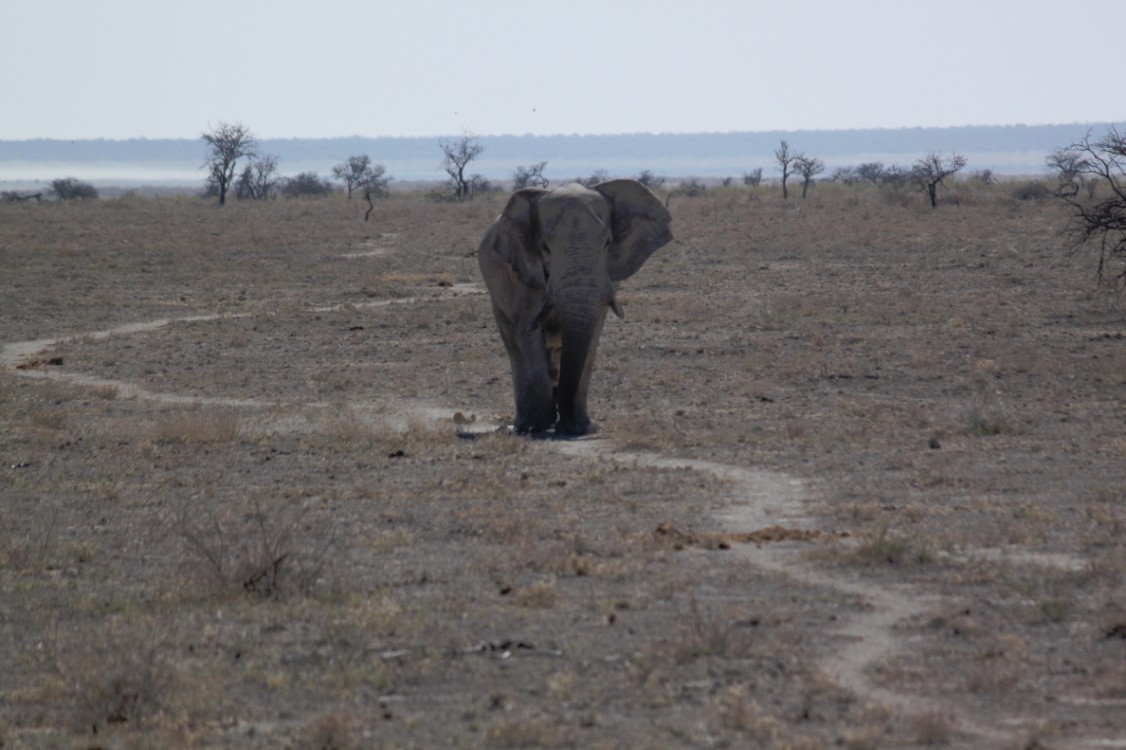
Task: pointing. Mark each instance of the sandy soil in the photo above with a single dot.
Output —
(859, 484)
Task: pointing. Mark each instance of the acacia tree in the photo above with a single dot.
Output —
(228, 142)
(929, 172)
(871, 171)
(650, 180)
(1102, 223)
(355, 171)
(532, 176)
(457, 156)
(753, 178)
(259, 180)
(1068, 165)
(375, 184)
(785, 159)
(808, 167)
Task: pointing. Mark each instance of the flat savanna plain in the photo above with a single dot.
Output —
(252, 497)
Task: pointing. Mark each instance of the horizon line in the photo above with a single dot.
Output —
(578, 134)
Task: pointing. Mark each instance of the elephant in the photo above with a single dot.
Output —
(551, 262)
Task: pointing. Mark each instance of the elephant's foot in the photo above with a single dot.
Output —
(525, 424)
(576, 428)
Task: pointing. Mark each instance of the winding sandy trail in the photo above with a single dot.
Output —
(758, 499)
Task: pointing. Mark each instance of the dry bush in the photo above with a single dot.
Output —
(263, 553)
(710, 632)
(892, 548)
(34, 550)
(119, 678)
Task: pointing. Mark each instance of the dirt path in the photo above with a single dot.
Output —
(758, 499)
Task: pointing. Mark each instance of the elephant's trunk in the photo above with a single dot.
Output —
(582, 312)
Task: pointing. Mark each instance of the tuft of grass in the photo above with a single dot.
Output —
(889, 548)
(933, 727)
(197, 426)
(334, 731)
(527, 731)
(735, 709)
(539, 595)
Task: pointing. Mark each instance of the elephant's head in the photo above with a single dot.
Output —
(552, 261)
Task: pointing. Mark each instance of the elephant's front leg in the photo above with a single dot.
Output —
(531, 374)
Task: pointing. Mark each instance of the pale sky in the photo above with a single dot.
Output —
(322, 68)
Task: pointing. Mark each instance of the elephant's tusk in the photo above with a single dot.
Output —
(617, 308)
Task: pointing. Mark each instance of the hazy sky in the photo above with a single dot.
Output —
(323, 68)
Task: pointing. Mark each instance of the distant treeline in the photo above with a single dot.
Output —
(637, 145)
(715, 153)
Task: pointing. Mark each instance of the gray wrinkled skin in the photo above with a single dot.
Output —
(551, 262)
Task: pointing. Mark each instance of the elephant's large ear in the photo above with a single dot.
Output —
(639, 223)
(513, 236)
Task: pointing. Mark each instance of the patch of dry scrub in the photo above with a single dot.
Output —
(948, 384)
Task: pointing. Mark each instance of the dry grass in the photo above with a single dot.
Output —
(948, 383)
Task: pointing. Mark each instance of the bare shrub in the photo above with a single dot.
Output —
(595, 177)
(753, 178)
(70, 188)
(650, 180)
(262, 553)
(115, 679)
(889, 548)
(707, 632)
(306, 185)
(1032, 190)
(690, 188)
(531, 176)
(259, 180)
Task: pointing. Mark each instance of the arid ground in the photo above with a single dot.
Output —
(861, 483)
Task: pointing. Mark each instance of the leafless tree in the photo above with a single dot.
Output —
(929, 172)
(228, 142)
(808, 167)
(374, 185)
(785, 159)
(259, 180)
(457, 156)
(753, 178)
(531, 176)
(1070, 168)
(355, 171)
(650, 180)
(595, 177)
(871, 171)
(1101, 223)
